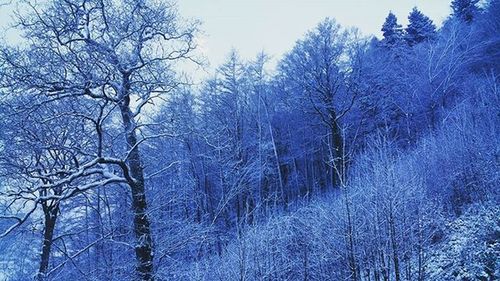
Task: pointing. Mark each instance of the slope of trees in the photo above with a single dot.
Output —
(355, 159)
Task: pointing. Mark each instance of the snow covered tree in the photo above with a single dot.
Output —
(420, 28)
(118, 56)
(392, 31)
(317, 73)
(465, 10)
(486, 33)
(44, 158)
(109, 160)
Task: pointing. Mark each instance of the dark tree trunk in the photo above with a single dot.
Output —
(50, 217)
(337, 150)
(144, 247)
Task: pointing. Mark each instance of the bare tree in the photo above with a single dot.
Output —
(45, 160)
(317, 72)
(116, 54)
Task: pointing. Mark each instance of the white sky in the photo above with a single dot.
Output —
(251, 26)
(273, 26)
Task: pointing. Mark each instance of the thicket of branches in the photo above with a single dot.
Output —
(356, 159)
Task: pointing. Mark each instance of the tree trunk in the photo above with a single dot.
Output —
(384, 266)
(350, 241)
(337, 151)
(50, 214)
(276, 156)
(144, 247)
(395, 254)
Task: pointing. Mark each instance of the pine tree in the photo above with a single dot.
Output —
(392, 31)
(465, 10)
(420, 28)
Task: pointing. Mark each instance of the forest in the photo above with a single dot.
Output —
(354, 158)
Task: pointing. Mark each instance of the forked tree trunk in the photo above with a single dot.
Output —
(142, 229)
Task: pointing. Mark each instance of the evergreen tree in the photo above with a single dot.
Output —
(420, 28)
(392, 31)
(465, 10)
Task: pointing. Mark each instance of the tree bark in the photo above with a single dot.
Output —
(50, 217)
(337, 150)
(142, 229)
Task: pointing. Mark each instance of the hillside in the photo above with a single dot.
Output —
(352, 158)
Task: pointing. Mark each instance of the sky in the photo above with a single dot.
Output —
(273, 26)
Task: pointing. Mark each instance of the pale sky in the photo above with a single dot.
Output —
(273, 26)
(251, 26)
